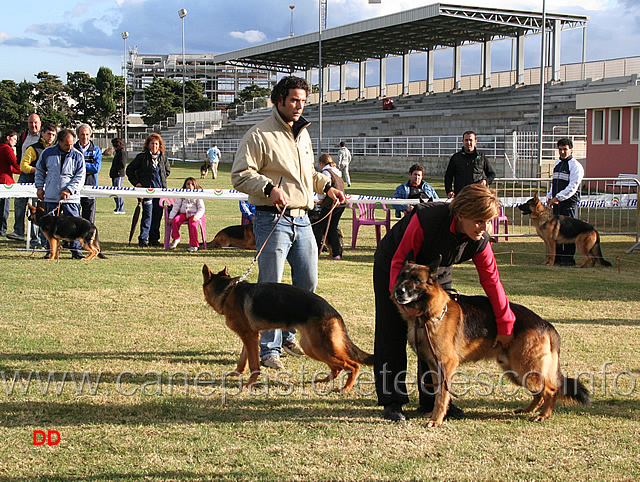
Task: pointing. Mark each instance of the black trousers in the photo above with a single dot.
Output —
(88, 209)
(565, 252)
(390, 349)
(333, 240)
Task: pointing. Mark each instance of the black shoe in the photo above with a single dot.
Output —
(393, 412)
(143, 244)
(76, 255)
(47, 256)
(156, 244)
(453, 411)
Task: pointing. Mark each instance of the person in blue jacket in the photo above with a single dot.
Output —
(93, 162)
(414, 188)
(59, 176)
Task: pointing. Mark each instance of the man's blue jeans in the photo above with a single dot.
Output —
(295, 244)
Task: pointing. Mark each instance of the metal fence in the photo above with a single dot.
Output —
(609, 204)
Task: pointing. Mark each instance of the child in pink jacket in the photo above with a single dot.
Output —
(186, 211)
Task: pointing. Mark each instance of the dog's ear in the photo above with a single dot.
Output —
(206, 273)
(410, 258)
(434, 265)
(226, 271)
(535, 196)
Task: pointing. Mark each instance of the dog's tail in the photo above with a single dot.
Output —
(573, 390)
(596, 252)
(356, 354)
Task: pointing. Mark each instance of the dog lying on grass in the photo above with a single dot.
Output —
(448, 333)
(240, 236)
(250, 308)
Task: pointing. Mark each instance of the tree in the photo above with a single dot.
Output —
(81, 88)
(16, 106)
(253, 91)
(51, 99)
(195, 100)
(161, 100)
(105, 103)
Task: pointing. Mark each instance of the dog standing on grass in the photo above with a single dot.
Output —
(555, 229)
(446, 333)
(250, 308)
(204, 169)
(66, 228)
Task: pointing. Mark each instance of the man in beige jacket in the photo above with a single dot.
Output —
(274, 165)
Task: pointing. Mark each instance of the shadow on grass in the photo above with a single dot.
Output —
(185, 410)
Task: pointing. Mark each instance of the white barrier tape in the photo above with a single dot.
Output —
(29, 190)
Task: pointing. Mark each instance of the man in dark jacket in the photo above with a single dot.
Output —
(93, 161)
(467, 166)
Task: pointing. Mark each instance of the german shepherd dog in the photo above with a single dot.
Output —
(447, 333)
(204, 169)
(66, 228)
(564, 230)
(250, 308)
(240, 236)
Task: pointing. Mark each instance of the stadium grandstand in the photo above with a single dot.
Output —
(427, 117)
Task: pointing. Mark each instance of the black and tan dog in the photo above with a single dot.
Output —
(66, 228)
(555, 229)
(240, 236)
(250, 308)
(447, 333)
(204, 169)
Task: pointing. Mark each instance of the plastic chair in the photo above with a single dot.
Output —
(365, 214)
(167, 204)
(502, 218)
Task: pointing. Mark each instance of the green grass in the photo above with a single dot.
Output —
(139, 322)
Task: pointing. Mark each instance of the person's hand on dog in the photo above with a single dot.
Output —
(41, 194)
(504, 340)
(553, 202)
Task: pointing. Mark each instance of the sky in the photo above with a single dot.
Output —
(71, 35)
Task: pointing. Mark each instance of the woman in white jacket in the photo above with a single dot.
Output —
(186, 211)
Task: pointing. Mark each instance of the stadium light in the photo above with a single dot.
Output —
(183, 13)
(125, 35)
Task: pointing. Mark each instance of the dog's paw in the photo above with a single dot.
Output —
(234, 373)
(538, 418)
(433, 423)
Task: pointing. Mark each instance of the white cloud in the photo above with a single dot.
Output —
(251, 36)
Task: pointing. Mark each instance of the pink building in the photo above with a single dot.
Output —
(613, 132)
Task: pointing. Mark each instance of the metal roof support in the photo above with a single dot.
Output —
(457, 62)
(343, 82)
(405, 74)
(520, 57)
(383, 76)
(486, 64)
(555, 52)
(325, 83)
(362, 78)
(430, 58)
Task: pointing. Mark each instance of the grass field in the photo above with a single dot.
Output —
(152, 355)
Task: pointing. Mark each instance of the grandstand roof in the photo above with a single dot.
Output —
(419, 29)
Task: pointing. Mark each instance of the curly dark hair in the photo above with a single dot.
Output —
(281, 90)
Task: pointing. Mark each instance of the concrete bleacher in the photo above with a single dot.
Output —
(489, 111)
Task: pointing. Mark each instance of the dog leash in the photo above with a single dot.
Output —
(326, 231)
(439, 364)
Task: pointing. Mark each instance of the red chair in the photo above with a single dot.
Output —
(502, 218)
(366, 215)
(167, 204)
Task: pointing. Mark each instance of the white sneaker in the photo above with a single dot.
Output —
(192, 249)
(174, 243)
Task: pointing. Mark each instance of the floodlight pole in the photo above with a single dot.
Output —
(543, 48)
(183, 13)
(125, 35)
